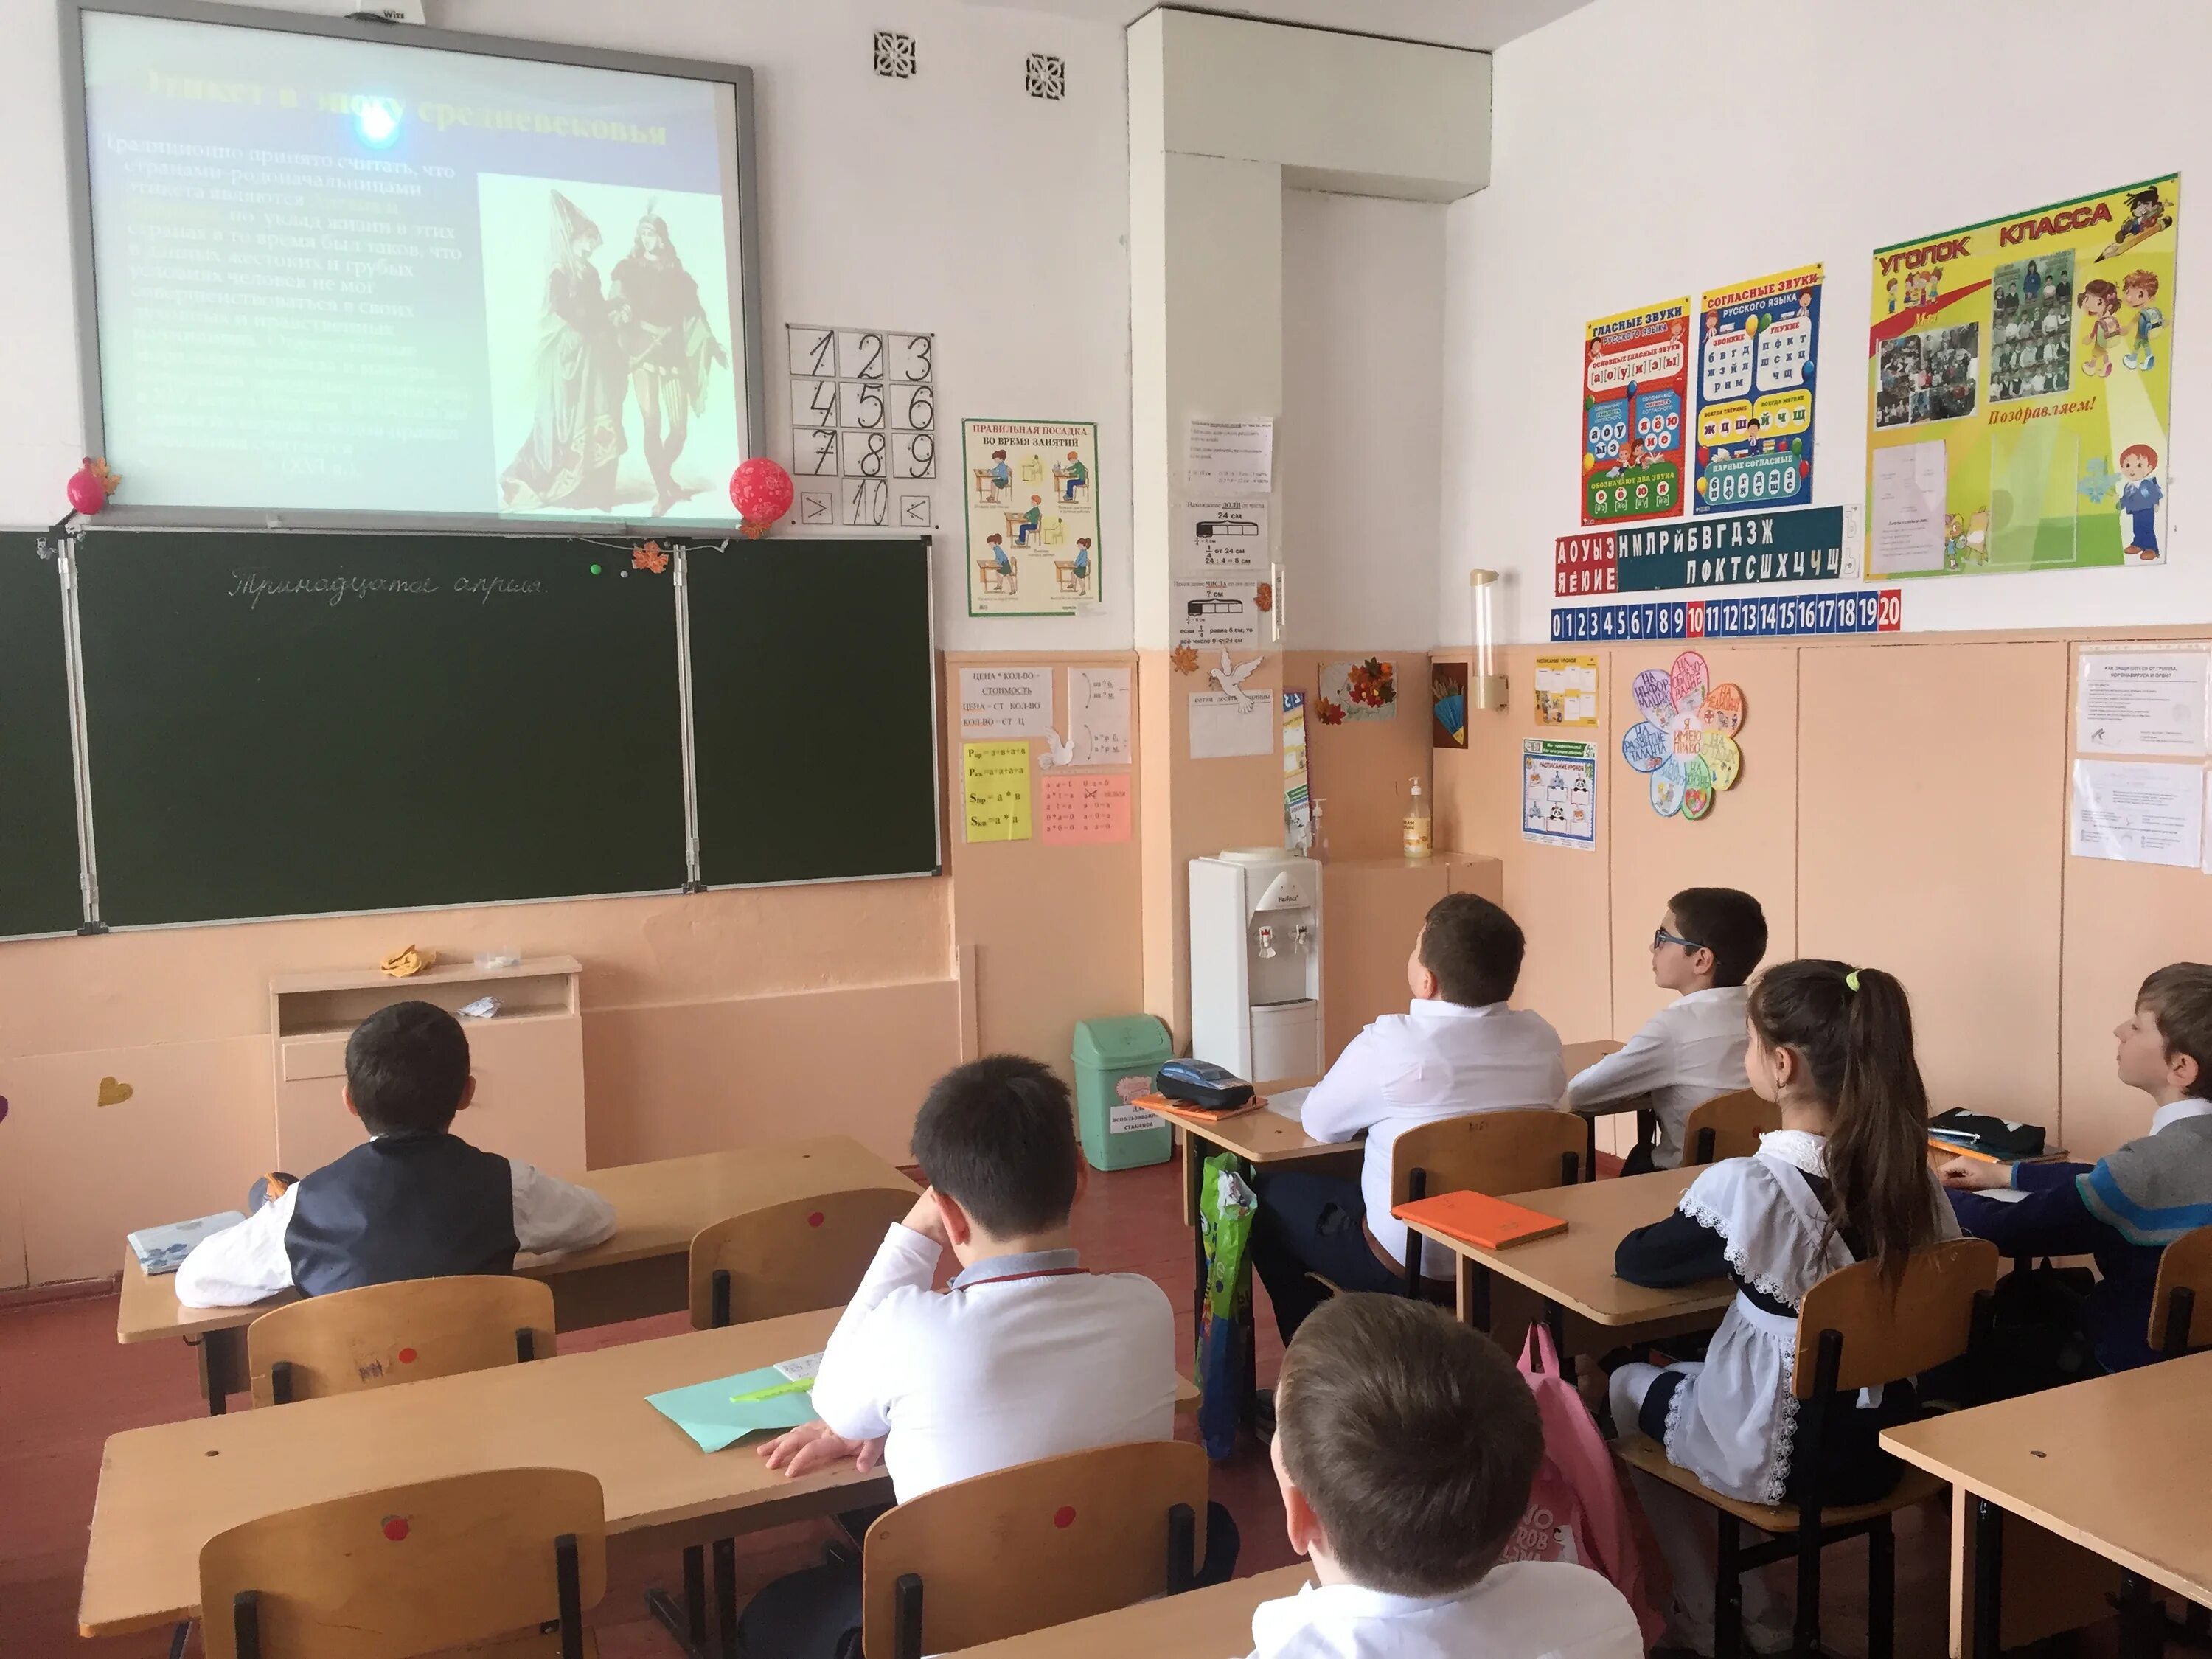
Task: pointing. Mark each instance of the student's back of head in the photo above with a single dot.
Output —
(407, 1069)
(1729, 923)
(2180, 996)
(1473, 949)
(1851, 1030)
(997, 1137)
(1412, 1438)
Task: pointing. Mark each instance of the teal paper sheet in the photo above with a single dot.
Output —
(724, 1412)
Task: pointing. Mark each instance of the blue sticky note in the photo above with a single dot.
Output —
(724, 1412)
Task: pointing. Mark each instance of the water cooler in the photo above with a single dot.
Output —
(1256, 963)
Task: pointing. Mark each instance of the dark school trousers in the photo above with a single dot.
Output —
(1313, 1224)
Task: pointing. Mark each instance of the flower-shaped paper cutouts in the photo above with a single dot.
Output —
(1686, 739)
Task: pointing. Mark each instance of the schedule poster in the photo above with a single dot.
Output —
(2020, 371)
(1759, 346)
(1635, 390)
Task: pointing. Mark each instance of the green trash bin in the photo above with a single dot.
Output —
(1115, 1059)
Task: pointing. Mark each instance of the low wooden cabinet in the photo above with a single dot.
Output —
(527, 1059)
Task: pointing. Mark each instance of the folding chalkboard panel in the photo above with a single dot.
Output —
(40, 891)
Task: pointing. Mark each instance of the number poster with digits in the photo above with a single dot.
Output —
(1635, 383)
(863, 428)
(1759, 345)
(1031, 491)
(2021, 371)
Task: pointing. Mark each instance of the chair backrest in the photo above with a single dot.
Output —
(1890, 1335)
(2181, 1305)
(792, 1258)
(1496, 1153)
(409, 1569)
(1036, 1545)
(1735, 1121)
(380, 1335)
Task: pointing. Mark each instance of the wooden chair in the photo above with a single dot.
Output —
(504, 1561)
(1853, 1333)
(1038, 1544)
(2185, 1272)
(784, 1259)
(381, 1335)
(1496, 1153)
(1729, 1126)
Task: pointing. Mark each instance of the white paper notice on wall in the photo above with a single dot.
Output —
(1220, 541)
(1099, 716)
(1912, 486)
(1224, 724)
(2139, 812)
(2140, 702)
(1229, 457)
(1005, 703)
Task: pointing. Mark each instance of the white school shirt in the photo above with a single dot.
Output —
(1024, 1357)
(248, 1262)
(1437, 1060)
(1685, 1054)
(1519, 1610)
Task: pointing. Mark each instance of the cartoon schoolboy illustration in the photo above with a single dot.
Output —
(1075, 473)
(1033, 520)
(1892, 296)
(2098, 299)
(2139, 500)
(2146, 212)
(1933, 286)
(2137, 291)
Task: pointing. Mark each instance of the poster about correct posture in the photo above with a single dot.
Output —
(1031, 489)
(2020, 373)
(1758, 349)
(1635, 390)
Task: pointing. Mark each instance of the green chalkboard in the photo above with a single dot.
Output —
(813, 710)
(293, 723)
(39, 892)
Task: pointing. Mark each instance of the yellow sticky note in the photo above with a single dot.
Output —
(996, 794)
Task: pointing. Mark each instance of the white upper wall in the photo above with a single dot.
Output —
(1643, 152)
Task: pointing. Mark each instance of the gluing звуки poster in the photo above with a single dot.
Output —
(1758, 351)
(1634, 388)
(863, 428)
(1030, 490)
(2021, 371)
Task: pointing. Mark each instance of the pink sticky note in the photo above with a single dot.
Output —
(1079, 808)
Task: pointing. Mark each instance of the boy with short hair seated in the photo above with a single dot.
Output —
(1406, 1445)
(1025, 1356)
(1459, 1049)
(416, 1202)
(1708, 944)
(2127, 1207)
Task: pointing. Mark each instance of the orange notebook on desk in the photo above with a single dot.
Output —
(1489, 1223)
(1184, 1109)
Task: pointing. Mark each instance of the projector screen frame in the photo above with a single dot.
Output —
(751, 406)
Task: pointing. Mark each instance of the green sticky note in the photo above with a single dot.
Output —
(725, 1411)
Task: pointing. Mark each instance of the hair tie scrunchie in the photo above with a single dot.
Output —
(1851, 981)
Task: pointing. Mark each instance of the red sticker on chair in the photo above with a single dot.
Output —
(1064, 1516)
(395, 1529)
(407, 1356)
(815, 1219)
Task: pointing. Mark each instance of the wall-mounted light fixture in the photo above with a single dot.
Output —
(1485, 687)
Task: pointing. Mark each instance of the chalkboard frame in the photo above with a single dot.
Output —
(752, 408)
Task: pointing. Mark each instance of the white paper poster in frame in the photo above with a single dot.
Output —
(1030, 496)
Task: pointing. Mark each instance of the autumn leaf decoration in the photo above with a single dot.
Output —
(650, 557)
(1183, 659)
(1372, 684)
(1328, 712)
(1265, 597)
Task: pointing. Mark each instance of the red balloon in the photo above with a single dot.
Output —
(761, 491)
(89, 488)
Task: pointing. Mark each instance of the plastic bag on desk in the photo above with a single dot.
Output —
(1226, 1203)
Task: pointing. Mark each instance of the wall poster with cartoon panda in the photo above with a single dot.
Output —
(1635, 385)
(2021, 373)
(1758, 347)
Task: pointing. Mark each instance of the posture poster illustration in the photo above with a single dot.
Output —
(1759, 346)
(2020, 374)
(1032, 515)
(1635, 387)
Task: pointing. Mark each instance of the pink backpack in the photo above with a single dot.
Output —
(1575, 1511)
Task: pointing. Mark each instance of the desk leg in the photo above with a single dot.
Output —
(1589, 1148)
(1988, 1578)
(223, 1366)
(179, 1638)
(2143, 1619)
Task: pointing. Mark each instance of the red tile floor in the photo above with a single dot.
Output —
(66, 1385)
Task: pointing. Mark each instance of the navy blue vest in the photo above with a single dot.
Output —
(403, 1206)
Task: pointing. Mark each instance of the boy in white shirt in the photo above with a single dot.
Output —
(1707, 946)
(1025, 1356)
(1405, 1444)
(1458, 1050)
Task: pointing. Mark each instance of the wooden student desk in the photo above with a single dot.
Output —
(2116, 1466)
(1591, 1310)
(1202, 1623)
(643, 1269)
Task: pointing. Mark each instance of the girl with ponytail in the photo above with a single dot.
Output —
(1846, 1179)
